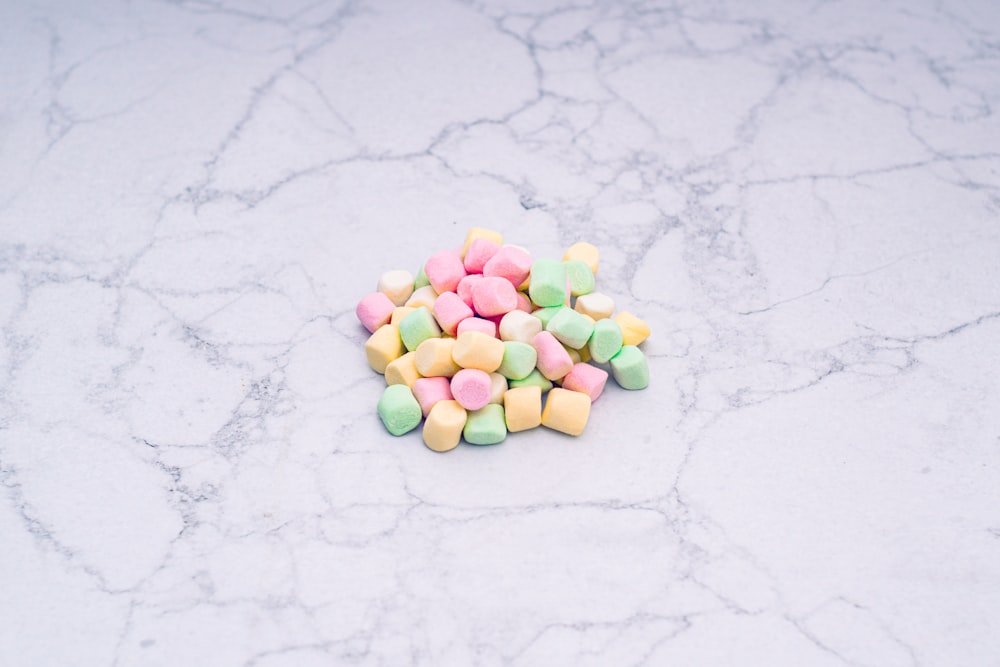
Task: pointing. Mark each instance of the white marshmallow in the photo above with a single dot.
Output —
(520, 326)
(596, 305)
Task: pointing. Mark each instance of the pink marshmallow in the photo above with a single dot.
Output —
(586, 379)
(524, 303)
(477, 324)
(493, 296)
(429, 391)
(480, 251)
(449, 311)
(471, 388)
(465, 286)
(374, 310)
(554, 361)
(444, 269)
(511, 263)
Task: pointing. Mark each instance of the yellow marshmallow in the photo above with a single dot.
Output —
(434, 358)
(584, 353)
(566, 411)
(474, 349)
(522, 408)
(634, 330)
(383, 347)
(481, 233)
(443, 428)
(585, 252)
(403, 370)
(399, 312)
(424, 296)
(573, 354)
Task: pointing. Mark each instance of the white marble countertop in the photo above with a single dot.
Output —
(802, 198)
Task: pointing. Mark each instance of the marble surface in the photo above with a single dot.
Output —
(802, 198)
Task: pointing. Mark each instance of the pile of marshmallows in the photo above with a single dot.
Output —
(475, 340)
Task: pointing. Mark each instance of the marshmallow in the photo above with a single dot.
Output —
(444, 269)
(524, 303)
(449, 311)
(498, 386)
(584, 252)
(493, 296)
(398, 409)
(510, 262)
(397, 285)
(586, 379)
(533, 379)
(544, 315)
(478, 253)
(553, 360)
(481, 233)
(574, 355)
(420, 280)
(423, 297)
(433, 358)
(571, 328)
(403, 370)
(383, 347)
(485, 426)
(548, 283)
(518, 360)
(605, 341)
(566, 411)
(417, 327)
(520, 326)
(477, 350)
(429, 391)
(472, 388)
(522, 408)
(465, 286)
(443, 428)
(596, 305)
(477, 324)
(399, 312)
(375, 310)
(634, 330)
(630, 369)
(581, 278)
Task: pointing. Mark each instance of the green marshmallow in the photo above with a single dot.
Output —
(548, 283)
(546, 314)
(518, 360)
(485, 426)
(421, 279)
(417, 327)
(570, 327)
(630, 369)
(532, 379)
(581, 278)
(398, 409)
(606, 340)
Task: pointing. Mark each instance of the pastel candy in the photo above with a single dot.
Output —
(478, 253)
(443, 428)
(498, 386)
(605, 341)
(477, 350)
(548, 283)
(374, 310)
(420, 280)
(524, 303)
(566, 411)
(522, 408)
(398, 409)
(634, 330)
(596, 305)
(545, 315)
(434, 358)
(533, 379)
(444, 269)
(630, 368)
(574, 355)
(571, 328)
(485, 426)
(511, 263)
(584, 252)
(481, 233)
(586, 379)
(403, 370)
(399, 312)
(423, 297)
(477, 324)
(383, 347)
(581, 278)
(465, 286)
(417, 327)
(428, 391)
(493, 296)
(553, 361)
(518, 360)
(397, 285)
(449, 311)
(471, 387)
(520, 326)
